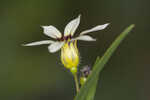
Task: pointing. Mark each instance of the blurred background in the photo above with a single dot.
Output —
(32, 73)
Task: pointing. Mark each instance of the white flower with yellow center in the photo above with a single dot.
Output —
(66, 42)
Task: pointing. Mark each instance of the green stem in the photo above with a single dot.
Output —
(76, 82)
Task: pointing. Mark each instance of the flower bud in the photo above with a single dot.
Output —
(82, 80)
(84, 74)
(70, 54)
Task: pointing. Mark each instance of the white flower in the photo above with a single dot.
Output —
(69, 32)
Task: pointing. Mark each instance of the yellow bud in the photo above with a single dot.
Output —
(82, 80)
(70, 54)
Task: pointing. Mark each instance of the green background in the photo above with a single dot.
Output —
(32, 73)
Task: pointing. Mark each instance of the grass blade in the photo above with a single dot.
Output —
(88, 90)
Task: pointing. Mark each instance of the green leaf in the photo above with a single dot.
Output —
(87, 91)
(92, 89)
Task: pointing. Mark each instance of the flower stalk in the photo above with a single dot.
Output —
(76, 82)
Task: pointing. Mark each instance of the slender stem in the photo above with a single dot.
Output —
(76, 82)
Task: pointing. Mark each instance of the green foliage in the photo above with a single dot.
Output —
(87, 91)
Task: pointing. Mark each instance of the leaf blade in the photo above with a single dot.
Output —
(99, 65)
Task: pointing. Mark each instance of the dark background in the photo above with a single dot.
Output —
(32, 73)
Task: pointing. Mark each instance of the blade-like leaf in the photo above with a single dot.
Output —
(92, 89)
(87, 91)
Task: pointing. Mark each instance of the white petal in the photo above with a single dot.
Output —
(72, 26)
(97, 28)
(85, 38)
(39, 43)
(55, 46)
(51, 31)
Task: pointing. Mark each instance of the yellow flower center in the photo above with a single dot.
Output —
(70, 54)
